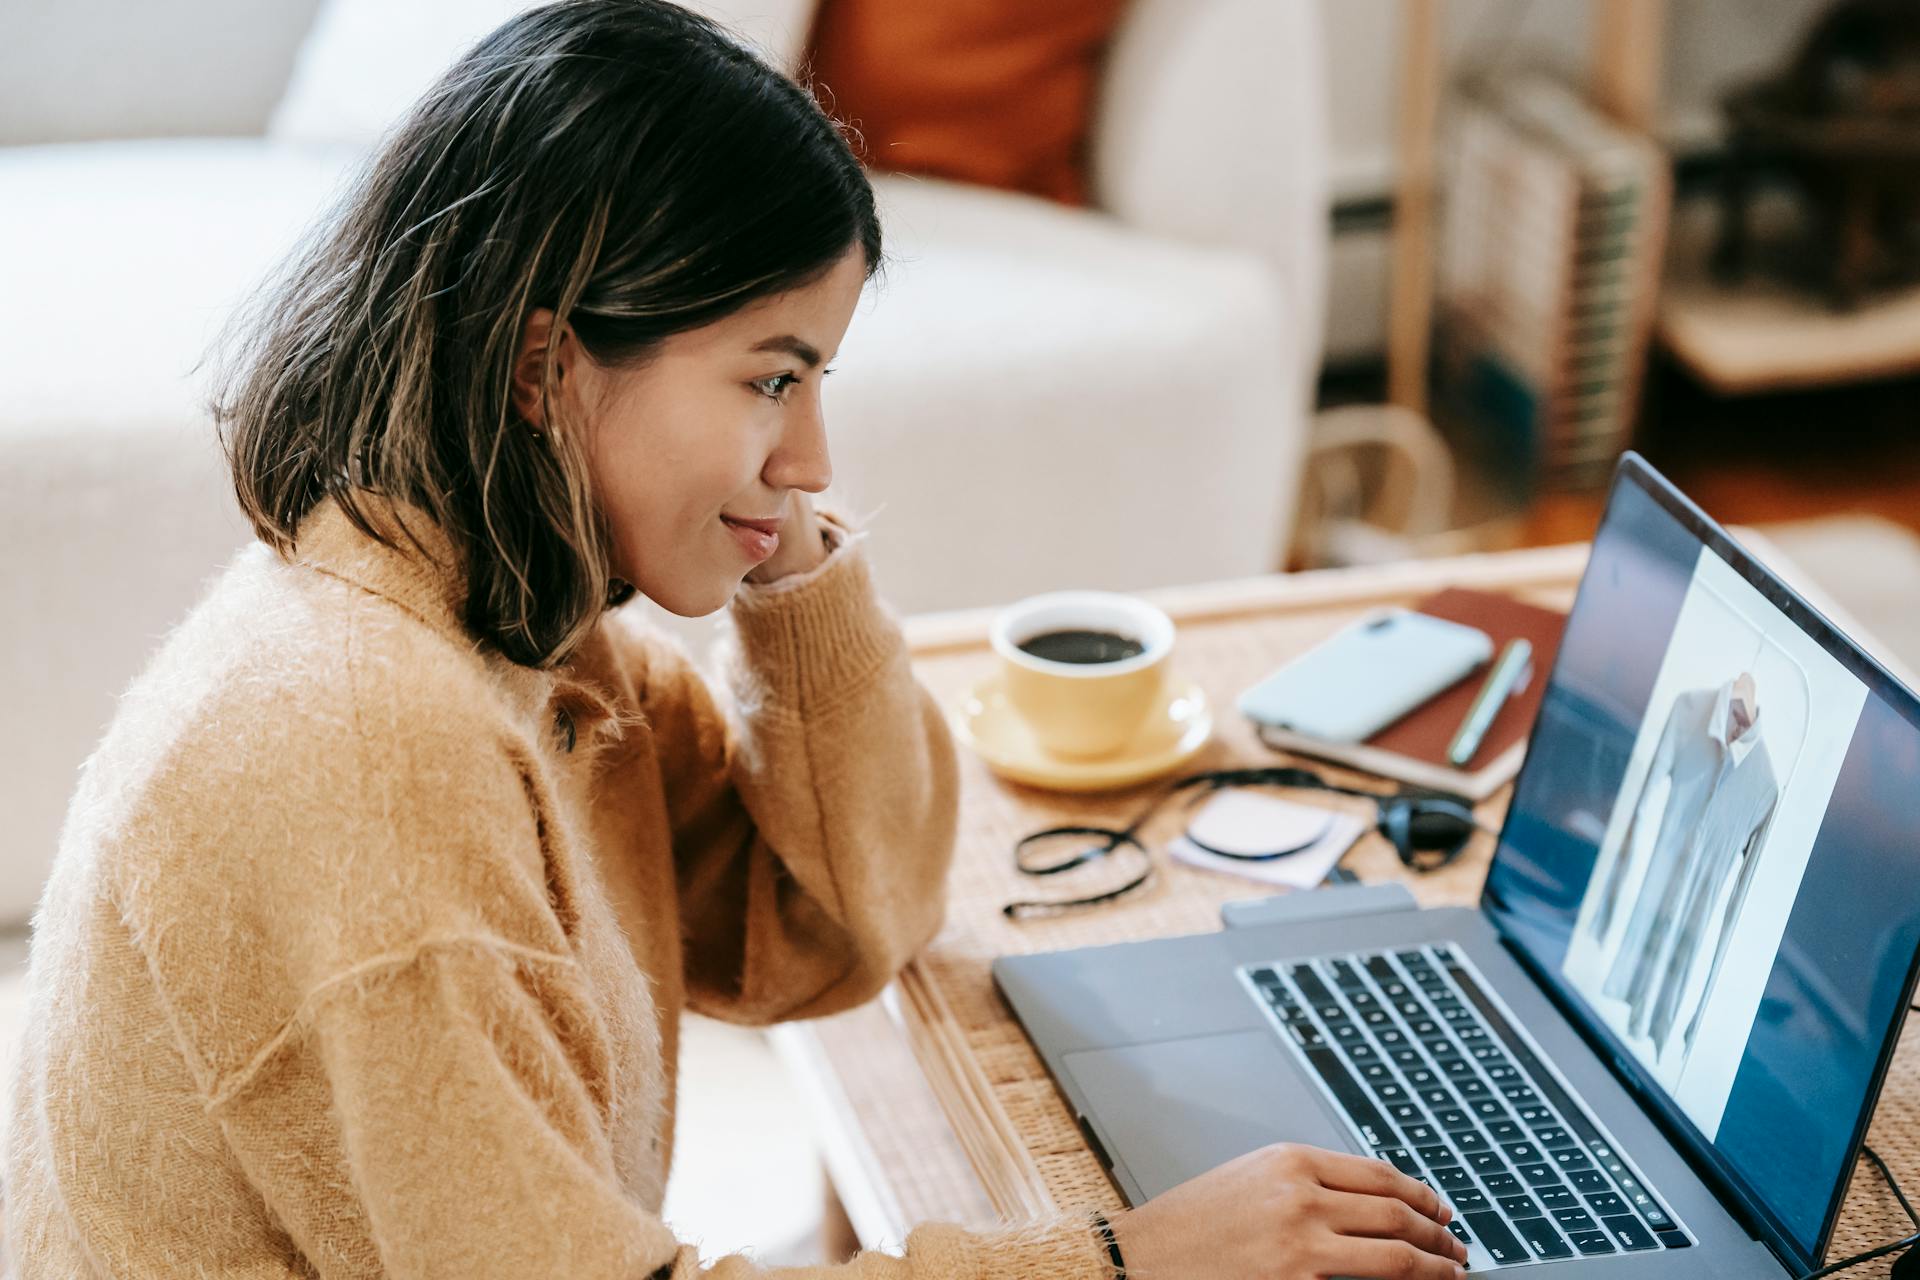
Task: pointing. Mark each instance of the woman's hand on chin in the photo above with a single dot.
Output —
(801, 545)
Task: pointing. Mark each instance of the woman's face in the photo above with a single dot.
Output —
(723, 422)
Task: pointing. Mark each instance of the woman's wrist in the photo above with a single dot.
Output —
(1104, 1227)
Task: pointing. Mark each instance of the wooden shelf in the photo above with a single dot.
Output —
(1768, 336)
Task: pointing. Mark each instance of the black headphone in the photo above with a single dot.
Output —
(1428, 829)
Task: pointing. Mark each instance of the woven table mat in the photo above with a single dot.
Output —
(1019, 1135)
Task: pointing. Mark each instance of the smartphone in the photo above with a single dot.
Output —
(1363, 678)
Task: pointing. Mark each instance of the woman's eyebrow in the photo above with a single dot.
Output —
(786, 342)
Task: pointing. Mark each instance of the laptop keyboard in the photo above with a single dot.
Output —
(1433, 1078)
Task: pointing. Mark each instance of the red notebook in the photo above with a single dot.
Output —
(1414, 747)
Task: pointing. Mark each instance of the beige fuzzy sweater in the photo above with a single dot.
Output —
(365, 948)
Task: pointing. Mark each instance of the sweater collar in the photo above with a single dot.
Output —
(432, 586)
(429, 581)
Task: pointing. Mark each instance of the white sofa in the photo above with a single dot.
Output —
(1033, 397)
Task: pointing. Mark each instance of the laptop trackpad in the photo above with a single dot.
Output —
(1172, 1110)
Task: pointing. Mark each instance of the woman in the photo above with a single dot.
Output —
(377, 907)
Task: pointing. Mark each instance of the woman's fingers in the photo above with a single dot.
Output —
(1392, 1260)
(1385, 1218)
(1340, 1172)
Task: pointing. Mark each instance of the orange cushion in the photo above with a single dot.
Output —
(998, 92)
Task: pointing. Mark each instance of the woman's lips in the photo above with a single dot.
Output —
(758, 538)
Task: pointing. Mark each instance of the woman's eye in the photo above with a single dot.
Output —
(775, 388)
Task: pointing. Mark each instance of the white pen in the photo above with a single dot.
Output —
(1500, 684)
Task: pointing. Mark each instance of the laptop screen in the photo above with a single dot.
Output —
(1711, 854)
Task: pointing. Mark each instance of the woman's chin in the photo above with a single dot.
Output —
(688, 600)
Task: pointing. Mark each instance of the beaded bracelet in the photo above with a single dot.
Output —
(1113, 1246)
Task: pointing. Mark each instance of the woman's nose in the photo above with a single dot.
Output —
(800, 460)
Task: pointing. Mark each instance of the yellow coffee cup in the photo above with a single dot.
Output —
(1083, 669)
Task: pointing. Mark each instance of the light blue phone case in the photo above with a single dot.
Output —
(1362, 679)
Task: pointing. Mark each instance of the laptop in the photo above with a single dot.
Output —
(1654, 1046)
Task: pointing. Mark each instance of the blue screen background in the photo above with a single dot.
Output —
(1839, 977)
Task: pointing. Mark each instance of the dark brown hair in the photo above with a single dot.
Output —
(625, 163)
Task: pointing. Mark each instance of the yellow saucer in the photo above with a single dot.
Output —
(985, 721)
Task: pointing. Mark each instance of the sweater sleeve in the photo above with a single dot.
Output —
(439, 1114)
(813, 813)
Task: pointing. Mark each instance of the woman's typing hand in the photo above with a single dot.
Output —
(1289, 1212)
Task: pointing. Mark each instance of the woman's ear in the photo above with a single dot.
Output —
(530, 362)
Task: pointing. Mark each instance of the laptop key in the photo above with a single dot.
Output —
(1406, 1113)
(1587, 1181)
(1489, 1109)
(1591, 1243)
(1571, 1160)
(1470, 1141)
(1456, 1068)
(1575, 1220)
(1452, 1178)
(1519, 1207)
(1454, 1118)
(1674, 1238)
(1553, 1136)
(1459, 1230)
(1539, 1175)
(1440, 1099)
(1351, 1097)
(1436, 1156)
(1388, 1091)
(1505, 1131)
(1309, 984)
(1630, 1234)
(1521, 1152)
(1557, 1198)
(1608, 1205)
(1486, 1162)
(1408, 1057)
(1305, 1035)
(1495, 1237)
(1502, 1184)
(1361, 1051)
(1468, 1198)
(1401, 1159)
(1542, 1238)
(1473, 1089)
(1419, 1134)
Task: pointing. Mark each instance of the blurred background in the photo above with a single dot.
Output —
(1178, 290)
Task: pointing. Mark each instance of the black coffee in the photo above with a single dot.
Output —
(1083, 646)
